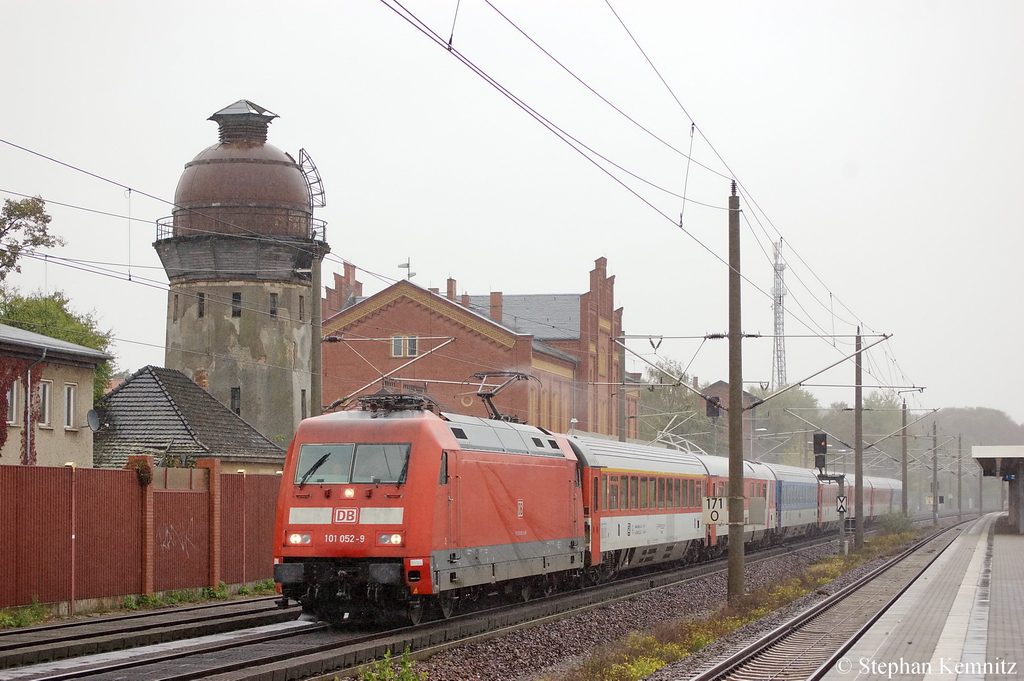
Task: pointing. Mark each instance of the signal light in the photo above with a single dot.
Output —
(713, 406)
(820, 443)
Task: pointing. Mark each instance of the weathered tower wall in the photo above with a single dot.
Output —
(238, 252)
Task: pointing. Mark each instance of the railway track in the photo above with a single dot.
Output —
(303, 649)
(804, 647)
(91, 636)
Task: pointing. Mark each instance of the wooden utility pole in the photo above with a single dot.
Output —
(906, 487)
(735, 405)
(959, 478)
(858, 447)
(935, 474)
(622, 386)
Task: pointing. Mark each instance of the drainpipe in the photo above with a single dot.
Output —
(28, 409)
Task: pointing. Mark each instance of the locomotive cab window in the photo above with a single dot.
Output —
(345, 463)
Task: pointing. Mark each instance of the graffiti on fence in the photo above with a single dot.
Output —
(179, 539)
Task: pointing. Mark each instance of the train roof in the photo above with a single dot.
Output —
(473, 432)
(599, 453)
(794, 474)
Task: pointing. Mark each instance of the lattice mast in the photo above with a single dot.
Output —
(779, 310)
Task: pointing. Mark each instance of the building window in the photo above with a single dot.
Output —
(69, 404)
(273, 304)
(200, 305)
(45, 390)
(302, 402)
(404, 346)
(174, 311)
(236, 304)
(236, 400)
(302, 308)
(12, 403)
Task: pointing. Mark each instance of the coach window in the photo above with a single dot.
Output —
(613, 493)
(643, 492)
(661, 492)
(604, 491)
(678, 488)
(634, 492)
(653, 493)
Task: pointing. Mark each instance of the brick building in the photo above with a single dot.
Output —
(563, 341)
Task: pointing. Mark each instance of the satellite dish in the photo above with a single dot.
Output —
(94, 420)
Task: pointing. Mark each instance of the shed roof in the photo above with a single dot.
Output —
(161, 411)
(13, 336)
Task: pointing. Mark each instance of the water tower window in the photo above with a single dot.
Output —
(200, 305)
(273, 304)
(174, 311)
(236, 400)
(302, 308)
(236, 304)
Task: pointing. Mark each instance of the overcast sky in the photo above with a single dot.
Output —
(880, 141)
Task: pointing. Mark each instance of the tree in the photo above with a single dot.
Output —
(24, 225)
(52, 316)
(668, 410)
(780, 424)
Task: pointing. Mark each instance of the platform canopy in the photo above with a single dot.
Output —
(998, 460)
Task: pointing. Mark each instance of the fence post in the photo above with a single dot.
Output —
(143, 467)
(213, 466)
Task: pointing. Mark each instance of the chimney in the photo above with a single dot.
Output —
(496, 306)
(451, 289)
(435, 290)
(202, 379)
(243, 122)
(465, 300)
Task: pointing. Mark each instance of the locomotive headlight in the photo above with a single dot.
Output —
(389, 539)
(349, 493)
(296, 538)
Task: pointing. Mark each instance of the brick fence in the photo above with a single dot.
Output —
(82, 539)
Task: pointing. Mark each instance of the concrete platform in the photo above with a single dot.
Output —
(962, 619)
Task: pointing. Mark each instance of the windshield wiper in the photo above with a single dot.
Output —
(312, 469)
(405, 469)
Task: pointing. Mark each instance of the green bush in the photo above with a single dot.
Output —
(220, 592)
(26, 616)
(895, 522)
(386, 670)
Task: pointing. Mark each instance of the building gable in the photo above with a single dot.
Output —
(376, 304)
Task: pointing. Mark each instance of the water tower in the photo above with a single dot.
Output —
(242, 253)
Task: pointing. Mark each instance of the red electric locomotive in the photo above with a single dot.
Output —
(395, 510)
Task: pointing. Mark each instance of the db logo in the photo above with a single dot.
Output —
(346, 515)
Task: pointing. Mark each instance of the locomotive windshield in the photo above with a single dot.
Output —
(348, 463)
